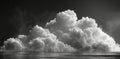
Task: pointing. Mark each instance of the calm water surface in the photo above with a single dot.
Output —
(41, 55)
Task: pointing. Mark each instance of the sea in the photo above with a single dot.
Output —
(57, 55)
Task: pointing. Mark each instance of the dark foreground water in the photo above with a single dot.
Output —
(41, 55)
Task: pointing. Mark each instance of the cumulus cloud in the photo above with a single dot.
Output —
(39, 39)
(82, 33)
(14, 44)
(66, 33)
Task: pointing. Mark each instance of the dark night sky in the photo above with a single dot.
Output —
(12, 11)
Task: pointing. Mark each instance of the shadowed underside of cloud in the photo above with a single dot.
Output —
(65, 33)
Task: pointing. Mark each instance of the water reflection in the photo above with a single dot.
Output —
(41, 55)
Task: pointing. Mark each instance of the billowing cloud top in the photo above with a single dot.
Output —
(65, 33)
